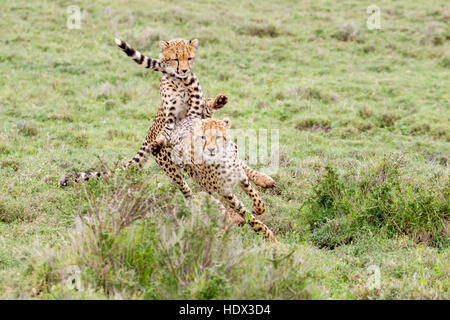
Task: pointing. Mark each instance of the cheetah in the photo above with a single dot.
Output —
(205, 150)
(179, 89)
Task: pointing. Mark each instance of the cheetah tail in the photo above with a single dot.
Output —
(82, 176)
(139, 58)
(140, 158)
(259, 178)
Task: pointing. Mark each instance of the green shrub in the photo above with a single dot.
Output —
(11, 211)
(380, 202)
(259, 30)
(27, 129)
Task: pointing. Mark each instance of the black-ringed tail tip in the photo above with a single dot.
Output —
(64, 181)
(118, 41)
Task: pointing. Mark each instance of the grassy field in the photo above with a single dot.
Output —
(361, 207)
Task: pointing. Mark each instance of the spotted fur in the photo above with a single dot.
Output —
(204, 149)
(179, 90)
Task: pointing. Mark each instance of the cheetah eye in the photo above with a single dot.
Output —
(175, 59)
(189, 59)
(203, 137)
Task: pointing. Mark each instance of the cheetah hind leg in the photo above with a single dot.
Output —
(260, 179)
(257, 226)
(157, 144)
(164, 160)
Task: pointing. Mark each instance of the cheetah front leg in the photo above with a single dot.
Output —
(140, 158)
(163, 136)
(164, 160)
(257, 226)
(213, 104)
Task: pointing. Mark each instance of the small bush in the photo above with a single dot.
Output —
(309, 93)
(386, 120)
(348, 32)
(10, 163)
(260, 30)
(81, 139)
(4, 147)
(114, 133)
(28, 129)
(378, 202)
(433, 34)
(11, 211)
(445, 62)
(314, 125)
(63, 116)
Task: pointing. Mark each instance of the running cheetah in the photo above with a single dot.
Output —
(205, 150)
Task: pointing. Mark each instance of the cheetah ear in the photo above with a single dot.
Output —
(163, 44)
(194, 43)
(227, 122)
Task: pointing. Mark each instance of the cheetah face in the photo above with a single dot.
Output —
(179, 55)
(213, 139)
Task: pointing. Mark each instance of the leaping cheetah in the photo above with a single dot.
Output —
(179, 89)
(206, 151)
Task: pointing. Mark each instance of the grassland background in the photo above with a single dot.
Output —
(351, 108)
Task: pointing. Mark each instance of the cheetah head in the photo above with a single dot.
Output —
(213, 138)
(179, 55)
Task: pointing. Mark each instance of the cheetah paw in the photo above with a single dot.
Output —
(155, 146)
(65, 181)
(220, 101)
(269, 234)
(69, 178)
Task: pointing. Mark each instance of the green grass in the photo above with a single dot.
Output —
(364, 147)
